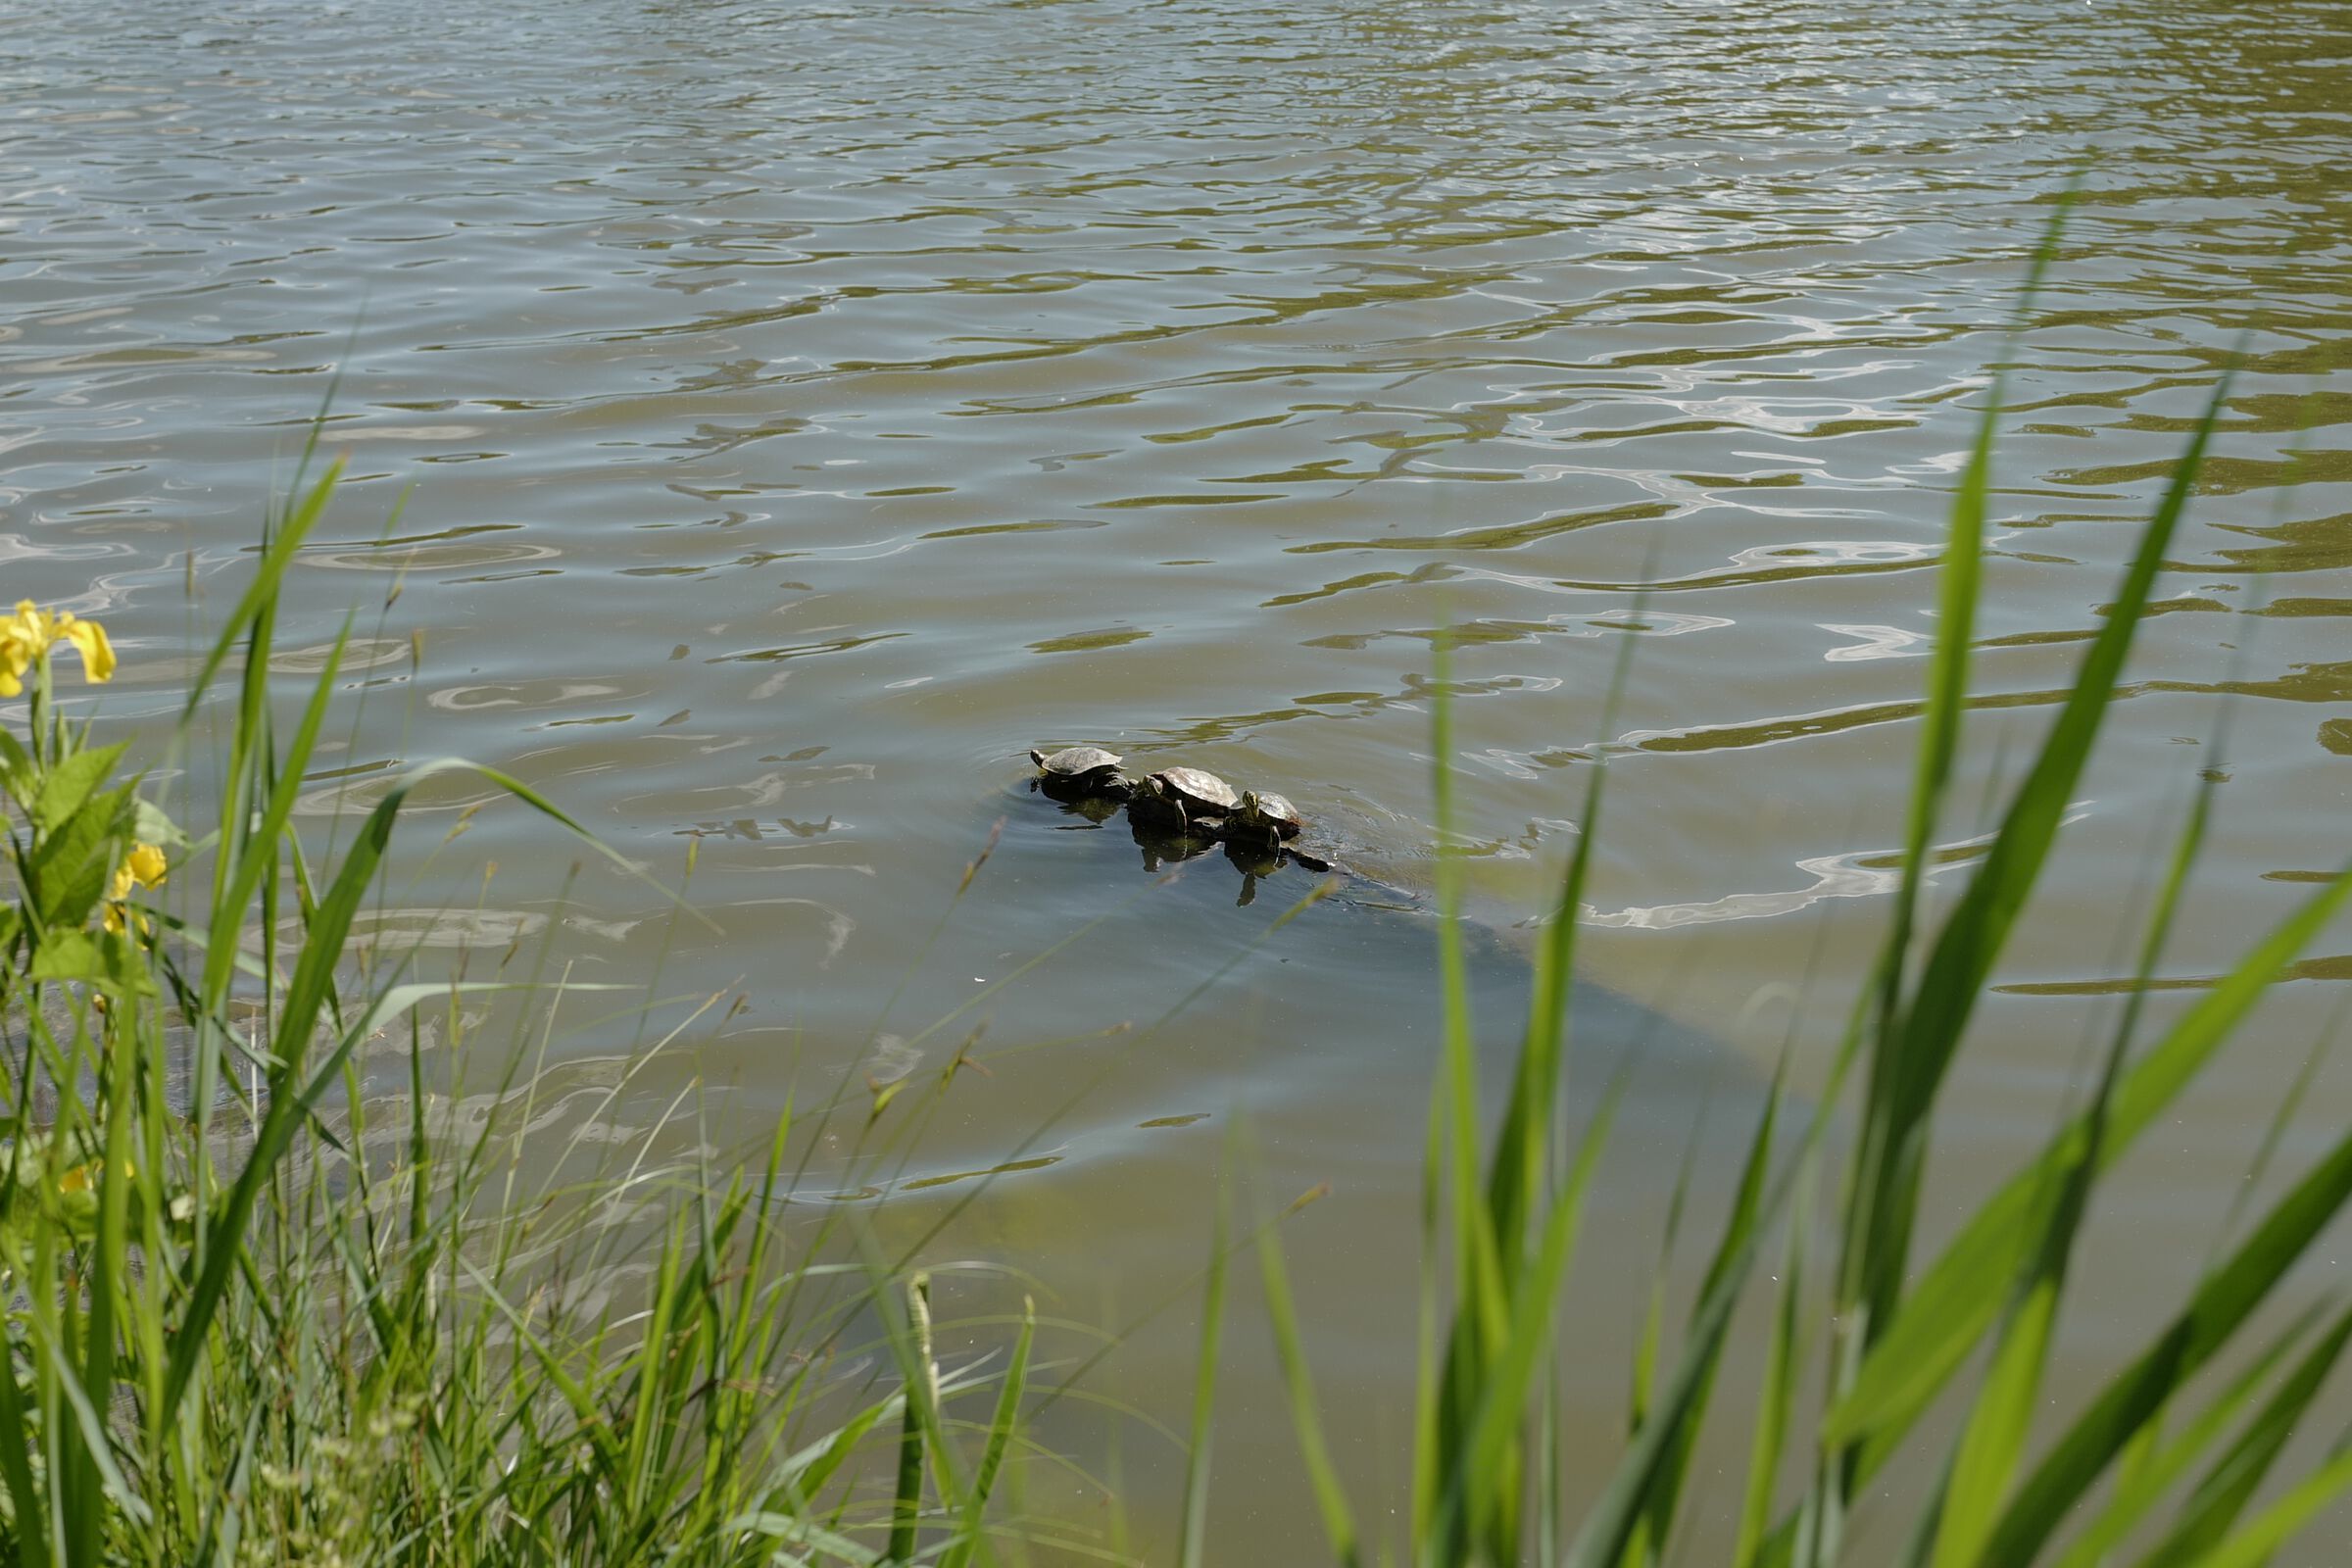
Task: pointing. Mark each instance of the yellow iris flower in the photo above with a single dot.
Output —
(86, 1178)
(32, 631)
(143, 868)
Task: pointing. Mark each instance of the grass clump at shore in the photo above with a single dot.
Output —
(259, 1309)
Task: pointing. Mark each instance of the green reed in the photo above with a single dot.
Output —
(2162, 1468)
(245, 1324)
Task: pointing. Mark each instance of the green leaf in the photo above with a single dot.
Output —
(67, 955)
(69, 866)
(149, 825)
(17, 773)
(67, 784)
(109, 960)
(792, 1529)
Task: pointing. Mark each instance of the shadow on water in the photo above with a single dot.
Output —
(1312, 1021)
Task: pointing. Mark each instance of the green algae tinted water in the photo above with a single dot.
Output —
(800, 411)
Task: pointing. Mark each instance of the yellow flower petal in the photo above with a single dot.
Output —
(146, 865)
(97, 653)
(83, 1178)
(29, 628)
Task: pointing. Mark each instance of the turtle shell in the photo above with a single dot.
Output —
(1075, 762)
(1277, 812)
(1201, 794)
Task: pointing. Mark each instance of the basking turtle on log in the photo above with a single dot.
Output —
(1179, 813)
(1076, 772)
(1264, 818)
(1182, 797)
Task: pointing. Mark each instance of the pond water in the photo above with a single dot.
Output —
(794, 411)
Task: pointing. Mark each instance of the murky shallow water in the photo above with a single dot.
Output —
(800, 411)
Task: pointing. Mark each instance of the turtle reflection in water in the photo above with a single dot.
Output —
(1253, 859)
(1168, 844)
(1095, 808)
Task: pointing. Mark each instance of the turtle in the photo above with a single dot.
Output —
(1079, 770)
(1182, 796)
(1268, 818)
(1074, 762)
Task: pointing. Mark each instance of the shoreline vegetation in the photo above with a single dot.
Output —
(255, 1316)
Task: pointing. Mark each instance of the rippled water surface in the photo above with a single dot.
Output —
(794, 411)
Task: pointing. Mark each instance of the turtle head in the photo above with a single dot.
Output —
(1037, 757)
(1248, 805)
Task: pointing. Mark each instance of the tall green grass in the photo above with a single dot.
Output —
(1940, 1358)
(264, 1304)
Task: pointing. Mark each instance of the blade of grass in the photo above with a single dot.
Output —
(1920, 1048)
(2256, 1543)
(1744, 1223)
(1510, 1382)
(306, 995)
(1949, 1309)
(1662, 1444)
(2225, 1300)
(1774, 1409)
(907, 1498)
(1000, 1428)
(2001, 1416)
(2142, 1485)
(1193, 1531)
(1331, 1499)
(2223, 1494)
(254, 603)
